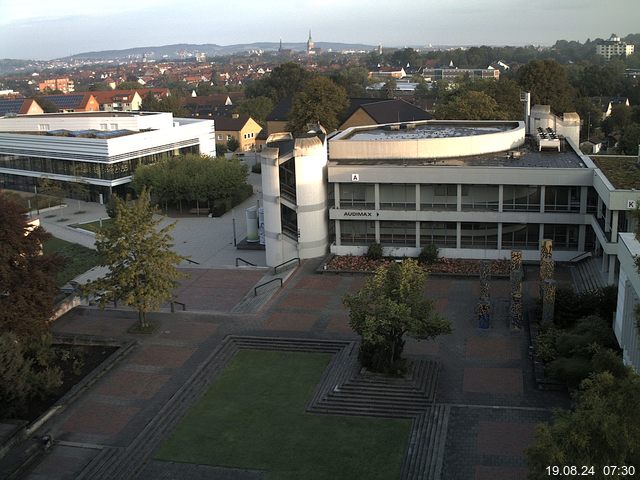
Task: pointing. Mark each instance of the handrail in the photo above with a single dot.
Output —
(275, 269)
(243, 260)
(255, 290)
(580, 256)
(173, 308)
(191, 261)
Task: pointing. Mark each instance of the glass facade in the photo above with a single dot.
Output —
(289, 219)
(518, 198)
(440, 234)
(398, 196)
(565, 237)
(520, 236)
(480, 197)
(357, 232)
(479, 235)
(439, 197)
(287, 171)
(357, 195)
(562, 199)
(77, 168)
(398, 233)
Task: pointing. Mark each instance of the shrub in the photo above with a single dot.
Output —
(428, 254)
(546, 344)
(571, 306)
(221, 148)
(374, 252)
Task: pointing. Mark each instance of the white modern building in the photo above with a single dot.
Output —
(626, 322)
(614, 47)
(100, 149)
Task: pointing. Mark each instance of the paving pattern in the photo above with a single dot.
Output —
(479, 417)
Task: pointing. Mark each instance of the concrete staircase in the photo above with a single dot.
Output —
(425, 453)
(586, 275)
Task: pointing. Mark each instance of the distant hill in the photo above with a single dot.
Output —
(180, 50)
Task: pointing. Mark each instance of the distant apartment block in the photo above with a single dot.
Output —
(453, 74)
(65, 85)
(614, 47)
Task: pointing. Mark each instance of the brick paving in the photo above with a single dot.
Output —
(479, 368)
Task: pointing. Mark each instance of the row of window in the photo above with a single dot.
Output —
(444, 234)
(75, 168)
(473, 197)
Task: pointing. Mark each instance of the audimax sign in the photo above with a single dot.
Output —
(360, 214)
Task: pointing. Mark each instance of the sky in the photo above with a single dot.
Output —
(43, 30)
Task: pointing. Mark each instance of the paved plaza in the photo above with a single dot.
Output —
(485, 377)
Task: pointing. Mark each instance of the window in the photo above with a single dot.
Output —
(357, 232)
(521, 198)
(228, 137)
(479, 235)
(562, 199)
(44, 127)
(520, 236)
(114, 126)
(357, 195)
(438, 197)
(219, 137)
(440, 234)
(398, 233)
(398, 196)
(480, 197)
(565, 237)
(103, 126)
(289, 219)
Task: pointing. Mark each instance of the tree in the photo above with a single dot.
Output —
(548, 83)
(321, 101)
(469, 105)
(389, 88)
(233, 144)
(142, 266)
(150, 103)
(603, 429)
(388, 306)
(354, 80)
(630, 139)
(284, 81)
(27, 286)
(257, 108)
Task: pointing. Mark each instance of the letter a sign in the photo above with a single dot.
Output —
(355, 177)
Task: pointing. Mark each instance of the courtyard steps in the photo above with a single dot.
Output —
(586, 275)
(425, 453)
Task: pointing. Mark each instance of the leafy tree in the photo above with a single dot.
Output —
(469, 105)
(548, 83)
(27, 285)
(603, 429)
(233, 144)
(284, 81)
(423, 92)
(142, 265)
(320, 101)
(354, 80)
(389, 88)
(131, 84)
(405, 56)
(47, 105)
(257, 108)
(150, 103)
(388, 306)
(630, 139)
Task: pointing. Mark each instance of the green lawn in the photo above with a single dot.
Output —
(253, 417)
(93, 226)
(77, 259)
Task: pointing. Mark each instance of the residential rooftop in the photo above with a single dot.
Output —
(622, 171)
(409, 131)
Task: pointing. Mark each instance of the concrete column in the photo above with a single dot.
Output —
(338, 232)
(582, 236)
(500, 230)
(540, 235)
(605, 263)
(599, 210)
(336, 194)
(458, 234)
(607, 221)
(612, 269)
(417, 234)
(614, 226)
(543, 191)
(377, 231)
(376, 194)
(417, 197)
(500, 200)
(459, 199)
(584, 192)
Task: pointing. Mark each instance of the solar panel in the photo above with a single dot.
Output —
(10, 106)
(65, 102)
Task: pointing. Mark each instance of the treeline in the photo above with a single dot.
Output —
(195, 181)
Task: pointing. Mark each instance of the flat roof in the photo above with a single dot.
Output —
(90, 114)
(530, 158)
(409, 131)
(622, 171)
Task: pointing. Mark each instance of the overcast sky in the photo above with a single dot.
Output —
(39, 29)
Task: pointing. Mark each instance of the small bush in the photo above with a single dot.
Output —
(428, 255)
(374, 252)
(546, 344)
